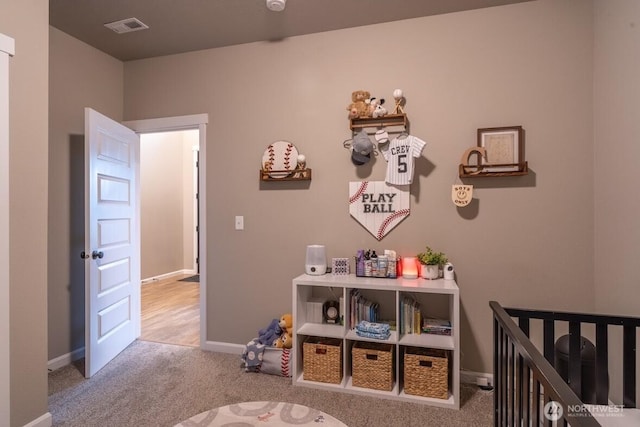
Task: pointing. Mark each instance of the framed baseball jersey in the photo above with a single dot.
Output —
(400, 157)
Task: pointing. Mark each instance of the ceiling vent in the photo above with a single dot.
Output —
(126, 25)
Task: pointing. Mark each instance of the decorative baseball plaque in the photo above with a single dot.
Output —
(379, 207)
(280, 159)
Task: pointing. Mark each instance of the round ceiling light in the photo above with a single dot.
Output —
(276, 5)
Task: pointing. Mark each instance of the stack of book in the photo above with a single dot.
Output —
(436, 326)
(362, 309)
(409, 316)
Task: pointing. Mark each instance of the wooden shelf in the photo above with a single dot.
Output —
(388, 120)
(285, 175)
(480, 171)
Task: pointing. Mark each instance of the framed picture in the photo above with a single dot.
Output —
(504, 147)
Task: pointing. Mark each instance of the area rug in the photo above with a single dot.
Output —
(262, 414)
(195, 278)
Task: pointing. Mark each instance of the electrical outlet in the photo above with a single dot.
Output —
(239, 222)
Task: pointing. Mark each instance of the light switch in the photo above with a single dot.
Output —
(239, 222)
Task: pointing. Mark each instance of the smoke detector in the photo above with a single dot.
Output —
(276, 5)
(127, 25)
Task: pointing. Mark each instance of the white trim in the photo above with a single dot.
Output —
(166, 276)
(194, 121)
(7, 46)
(470, 377)
(222, 347)
(167, 124)
(44, 420)
(65, 359)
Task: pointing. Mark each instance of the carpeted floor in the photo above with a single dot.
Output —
(153, 384)
(195, 278)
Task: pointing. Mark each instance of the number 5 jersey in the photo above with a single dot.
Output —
(400, 157)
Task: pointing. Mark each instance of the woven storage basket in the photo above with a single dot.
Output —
(426, 373)
(372, 365)
(322, 360)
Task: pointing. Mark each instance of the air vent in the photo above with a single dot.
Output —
(126, 25)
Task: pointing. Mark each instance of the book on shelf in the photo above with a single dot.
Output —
(436, 326)
(362, 309)
(410, 316)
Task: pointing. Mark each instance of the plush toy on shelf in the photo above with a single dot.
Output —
(358, 107)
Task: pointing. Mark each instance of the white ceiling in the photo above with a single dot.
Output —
(178, 26)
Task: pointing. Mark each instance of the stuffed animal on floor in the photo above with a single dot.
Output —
(286, 323)
(271, 334)
(285, 340)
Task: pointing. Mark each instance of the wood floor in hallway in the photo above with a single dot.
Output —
(171, 312)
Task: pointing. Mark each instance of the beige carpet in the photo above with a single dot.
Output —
(157, 385)
(262, 414)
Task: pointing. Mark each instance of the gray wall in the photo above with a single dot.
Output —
(27, 22)
(525, 241)
(80, 76)
(616, 150)
(166, 203)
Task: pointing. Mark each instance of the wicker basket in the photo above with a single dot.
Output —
(322, 360)
(426, 372)
(372, 365)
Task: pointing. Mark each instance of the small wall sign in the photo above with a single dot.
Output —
(461, 194)
(378, 206)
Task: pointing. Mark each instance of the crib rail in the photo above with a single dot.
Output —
(575, 321)
(528, 390)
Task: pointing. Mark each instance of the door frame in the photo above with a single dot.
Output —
(178, 123)
(7, 49)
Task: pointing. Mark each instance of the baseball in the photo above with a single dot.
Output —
(397, 94)
(301, 158)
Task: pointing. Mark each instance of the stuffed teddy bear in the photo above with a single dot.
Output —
(358, 106)
(285, 340)
(271, 334)
(286, 323)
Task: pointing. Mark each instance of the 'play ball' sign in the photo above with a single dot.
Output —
(378, 206)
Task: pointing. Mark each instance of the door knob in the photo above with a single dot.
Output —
(84, 255)
(96, 254)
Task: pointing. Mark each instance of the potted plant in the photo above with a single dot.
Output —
(431, 262)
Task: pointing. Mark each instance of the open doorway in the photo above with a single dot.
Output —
(170, 293)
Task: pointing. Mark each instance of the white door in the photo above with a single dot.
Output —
(112, 239)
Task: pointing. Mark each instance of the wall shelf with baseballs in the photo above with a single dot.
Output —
(488, 170)
(378, 122)
(285, 175)
(281, 161)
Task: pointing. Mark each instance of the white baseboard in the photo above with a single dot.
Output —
(166, 276)
(471, 377)
(223, 347)
(65, 359)
(45, 420)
